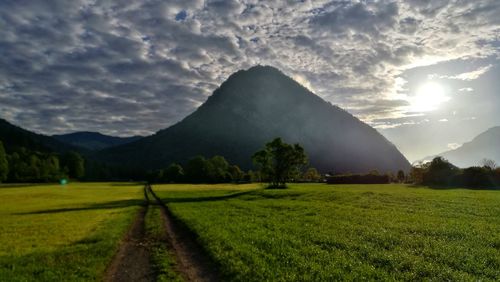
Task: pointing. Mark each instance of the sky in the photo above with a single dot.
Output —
(424, 73)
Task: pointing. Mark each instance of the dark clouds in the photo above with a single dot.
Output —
(134, 67)
(359, 17)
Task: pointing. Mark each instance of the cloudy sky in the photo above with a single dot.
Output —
(424, 73)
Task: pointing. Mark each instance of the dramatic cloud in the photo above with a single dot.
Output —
(134, 67)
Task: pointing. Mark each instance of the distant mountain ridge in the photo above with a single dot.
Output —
(485, 145)
(254, 106)
(94, 140)
(13, 136)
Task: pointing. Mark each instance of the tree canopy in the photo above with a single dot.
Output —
(441, 172)
(280, 162)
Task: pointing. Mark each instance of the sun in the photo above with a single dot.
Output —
(428, 97)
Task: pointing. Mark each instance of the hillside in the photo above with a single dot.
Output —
(485, 145)
(254, 106)
(94, 140)
(13, 136)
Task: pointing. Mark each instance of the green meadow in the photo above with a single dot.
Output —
(63, 233)
(319, 232)
(307, 232)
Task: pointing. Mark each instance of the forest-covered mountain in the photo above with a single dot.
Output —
(254, 106)
(94, 140)
(484, 146)
(32, 157)
(13, 136)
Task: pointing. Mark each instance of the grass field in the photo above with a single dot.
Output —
(56, 233)
(343, 232)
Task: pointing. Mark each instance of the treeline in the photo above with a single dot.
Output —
(358, 179)
(218, 170)
(373, 177)
(201, 170)
(440, 172)
(24, 165)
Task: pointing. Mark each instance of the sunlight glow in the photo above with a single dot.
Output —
(304, 82)
(428, 97)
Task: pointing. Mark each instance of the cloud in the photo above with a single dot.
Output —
(453, 146)
(466, 89)
(134, 67)
(349, 17)
(467, 76)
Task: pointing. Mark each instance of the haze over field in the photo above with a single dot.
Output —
(424, 73)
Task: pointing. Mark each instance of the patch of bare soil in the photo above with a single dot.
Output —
(132, 261)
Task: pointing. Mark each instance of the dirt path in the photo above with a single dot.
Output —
(132, 263)
(192, 262)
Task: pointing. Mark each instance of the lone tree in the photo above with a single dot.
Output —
(279, 162)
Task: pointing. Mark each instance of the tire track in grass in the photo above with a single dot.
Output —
(192, 262)
(132, 261)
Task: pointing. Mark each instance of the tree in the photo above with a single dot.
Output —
(173, 173)
(401, 176)
(417, 172)
(280, 162)
(440, 171)
(217, 170)
(489, 163)
(75, 164)
(236, 173)
(34, 168)
(4, 164)
(196, 170)
(311, 175)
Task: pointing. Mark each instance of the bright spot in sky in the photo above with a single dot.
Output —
(428, 97)
(304, 82)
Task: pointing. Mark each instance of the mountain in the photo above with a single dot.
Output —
(13, 136)
(485, 145)
(94, 140)
(251, 108)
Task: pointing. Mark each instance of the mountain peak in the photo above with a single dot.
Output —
(264, 69)
(254, 87)
(484, 145)
(254, 106)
